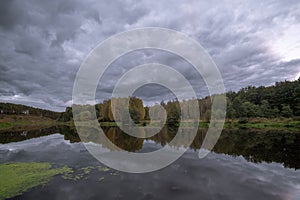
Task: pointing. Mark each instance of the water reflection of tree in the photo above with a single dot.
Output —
(257, 146)
(20, 135)
(123, 140)
(254, 145)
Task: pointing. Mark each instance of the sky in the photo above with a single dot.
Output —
(43, 43)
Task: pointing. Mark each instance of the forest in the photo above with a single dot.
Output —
(279, 100)
(18, 109)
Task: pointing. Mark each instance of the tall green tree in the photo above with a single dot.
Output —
(286, 111)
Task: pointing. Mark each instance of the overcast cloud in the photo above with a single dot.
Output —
(44, 42)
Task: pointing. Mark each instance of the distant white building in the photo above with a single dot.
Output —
(25, 112)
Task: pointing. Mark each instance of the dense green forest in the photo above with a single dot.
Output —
(279, 100)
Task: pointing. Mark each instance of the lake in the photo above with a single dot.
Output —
(244, 164)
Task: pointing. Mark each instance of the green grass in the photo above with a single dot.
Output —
(15, 122)
(17, 178)
(108, 124)
(22, 122)
(5, 125)
(256, 123)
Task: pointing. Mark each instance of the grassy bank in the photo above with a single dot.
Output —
(21, 122)
(264, 123)
(25, 122)
(259, 123)
(249, 123)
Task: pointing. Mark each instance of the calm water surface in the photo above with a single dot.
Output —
(245, 164)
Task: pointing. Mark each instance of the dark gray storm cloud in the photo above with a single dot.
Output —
(44, 42)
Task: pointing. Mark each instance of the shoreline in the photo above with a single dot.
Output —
(21, 122)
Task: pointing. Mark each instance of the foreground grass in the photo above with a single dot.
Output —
(16, 178)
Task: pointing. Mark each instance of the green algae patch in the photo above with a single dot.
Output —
(101, 179)
(82, 173)
(103, 169)
(17, 178)
(87, 170)
(78, 175)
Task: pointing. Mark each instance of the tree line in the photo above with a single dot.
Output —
(18, 109)
(279, 100)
